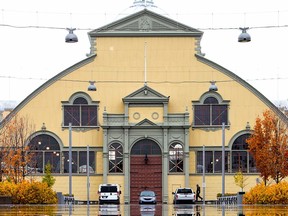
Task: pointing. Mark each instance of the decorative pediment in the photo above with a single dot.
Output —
(145, 22)
(146, 122)
(146, 95)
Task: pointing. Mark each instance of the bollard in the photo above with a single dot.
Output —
(240, 198)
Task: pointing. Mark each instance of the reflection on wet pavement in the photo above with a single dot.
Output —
(142, 210)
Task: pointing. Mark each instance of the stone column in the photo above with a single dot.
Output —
(126, 167)
(165, 167)
(105, 156)
(186, 158)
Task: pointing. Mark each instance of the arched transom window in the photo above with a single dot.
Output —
(80, 112)
(242, 160)
(115, 158)
(176, 158)
(210, 111)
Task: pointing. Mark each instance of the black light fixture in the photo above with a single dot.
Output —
(244, 36)
(92, 87)
(71, 37)
(43, 128)
(146, 159)
(213, 86)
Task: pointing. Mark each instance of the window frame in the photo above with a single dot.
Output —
(209, 110)
(230, 158)
(43, 151)
(83, 115)
(118, 164)
(176, 160)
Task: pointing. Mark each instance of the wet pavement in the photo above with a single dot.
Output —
(142, 210)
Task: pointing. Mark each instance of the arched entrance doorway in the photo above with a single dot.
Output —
(145, 169)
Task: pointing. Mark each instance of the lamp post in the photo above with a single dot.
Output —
(88, 176)
(203, 183)
(70, 161)
(223, 159)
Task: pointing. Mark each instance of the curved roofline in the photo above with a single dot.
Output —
(243, 83)
(47, 84)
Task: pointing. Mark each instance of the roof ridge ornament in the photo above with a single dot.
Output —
(143, 3)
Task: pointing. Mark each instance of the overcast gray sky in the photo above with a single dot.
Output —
(31, 56)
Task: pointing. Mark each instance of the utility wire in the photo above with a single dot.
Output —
(133, 81)
(213, 14)
(90, 29)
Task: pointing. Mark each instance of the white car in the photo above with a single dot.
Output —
(184, 195)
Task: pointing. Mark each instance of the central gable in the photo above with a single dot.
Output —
(145, 23)
(145, 95)
(146, 104)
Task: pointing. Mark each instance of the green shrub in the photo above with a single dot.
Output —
(272, 194)
(48, 178)
(28, 192)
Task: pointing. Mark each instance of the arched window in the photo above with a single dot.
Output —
(176, 158)
(211, 111)
(241, 159)
(45, 149)
(145, 147)
(80, 112)
(237, 159)
(115, 158)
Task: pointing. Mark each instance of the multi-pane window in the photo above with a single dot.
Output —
(80, 113)
(176, 158)
(213, 162)
(115, 158)
(210, 113)
(45, 149)
(238, 159)
(242, 160)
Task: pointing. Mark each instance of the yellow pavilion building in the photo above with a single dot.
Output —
(156, 106)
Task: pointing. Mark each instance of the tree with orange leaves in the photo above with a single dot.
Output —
(268, 145)
(14, 157)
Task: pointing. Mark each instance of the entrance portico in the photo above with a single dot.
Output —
(148, 135)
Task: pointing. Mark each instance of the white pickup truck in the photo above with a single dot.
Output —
(109, 193)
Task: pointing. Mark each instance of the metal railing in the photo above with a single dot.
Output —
(228, 200)
(231, 200)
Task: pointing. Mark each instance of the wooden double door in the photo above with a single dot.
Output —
(145, 169)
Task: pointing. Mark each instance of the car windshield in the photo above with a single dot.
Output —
(147, 193)
(184, 190)
(108, 189)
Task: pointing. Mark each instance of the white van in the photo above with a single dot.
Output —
(109, 193)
